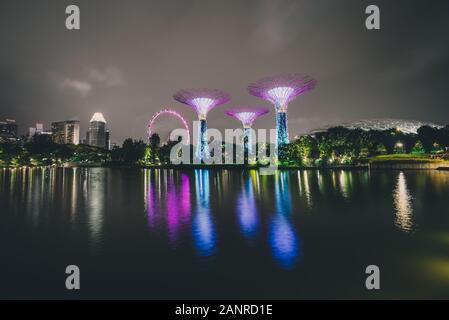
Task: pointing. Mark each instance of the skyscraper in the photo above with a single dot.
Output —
(97, 131)
(8, 129)
(38, 129)
(108, 140)
(66, 132)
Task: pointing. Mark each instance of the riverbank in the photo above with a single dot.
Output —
(392, 162)
(408, 162)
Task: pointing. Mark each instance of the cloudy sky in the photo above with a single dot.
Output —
(131, 56)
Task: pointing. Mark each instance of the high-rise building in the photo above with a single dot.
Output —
(66, 132)
(108, 140)
(9, 129)
(32, 132)
(97, 131)
(38, 129)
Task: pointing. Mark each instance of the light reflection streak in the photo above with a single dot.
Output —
(343, 180)
(304, 187)
(282, 236)
(403, 205)
(202, 225)
(247, 209)
(95, 184)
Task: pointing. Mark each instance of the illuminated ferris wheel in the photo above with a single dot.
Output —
(170, 113)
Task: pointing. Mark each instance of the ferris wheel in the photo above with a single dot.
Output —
(170, 113)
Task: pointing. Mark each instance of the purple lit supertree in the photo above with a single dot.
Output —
(280, 90)
(247, 115)
(203, 101)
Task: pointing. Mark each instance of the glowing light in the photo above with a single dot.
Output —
(170, 113)
(247, 115)
(280, 95)
(98, 117)
(203, 105)
(282, 89)
(202, 100)
(403, 205)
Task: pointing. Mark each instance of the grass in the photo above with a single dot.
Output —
(420, 157)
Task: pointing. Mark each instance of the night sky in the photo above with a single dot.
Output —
(131, 56)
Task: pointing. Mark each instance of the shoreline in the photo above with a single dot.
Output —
(373, 165)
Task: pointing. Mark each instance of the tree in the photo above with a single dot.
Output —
(371, 141)
(304, 151)
(389, 140)
(428, 136)
(155, 142)
(165, 150)
(443, 137)
(133, 151)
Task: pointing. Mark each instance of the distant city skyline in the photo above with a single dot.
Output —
(130, 57)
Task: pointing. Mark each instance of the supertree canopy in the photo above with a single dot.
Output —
(247, 115)
(280, 90)
(203, 101)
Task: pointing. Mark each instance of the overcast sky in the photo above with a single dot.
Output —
(130, 56)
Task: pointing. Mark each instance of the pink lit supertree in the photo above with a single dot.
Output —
(172, 113)
(280, 90)
(202, 101)
(247, 115)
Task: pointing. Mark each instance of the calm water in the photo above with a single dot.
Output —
(223, 234)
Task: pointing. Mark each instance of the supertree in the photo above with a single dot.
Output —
(247, 115)
(203, 101)
(280, 90)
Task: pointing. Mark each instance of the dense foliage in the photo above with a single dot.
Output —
(340, 145)
(42, 151)
(337, 146)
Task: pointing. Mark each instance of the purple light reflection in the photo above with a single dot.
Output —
(247, 210)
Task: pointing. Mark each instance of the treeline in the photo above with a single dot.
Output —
(42, 151)
(337, 146)
(341, 145)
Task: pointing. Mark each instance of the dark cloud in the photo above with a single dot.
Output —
(130, 57)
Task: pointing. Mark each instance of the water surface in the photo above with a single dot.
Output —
(223, 234)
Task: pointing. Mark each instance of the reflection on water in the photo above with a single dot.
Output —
(247, 210)
(304, 187)
(160, 220)
(167, 201)
(283, 239)
(203, 224)
(95, 198)
(344, 183)
(403, 205)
